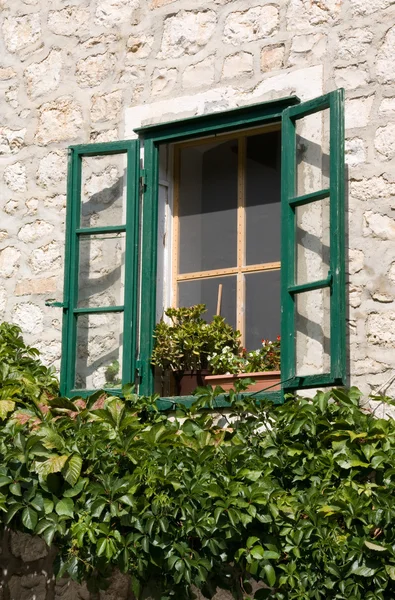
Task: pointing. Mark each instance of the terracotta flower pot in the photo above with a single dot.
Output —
(263, 381)
(190, 381)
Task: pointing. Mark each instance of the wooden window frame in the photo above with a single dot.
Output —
(241, 269)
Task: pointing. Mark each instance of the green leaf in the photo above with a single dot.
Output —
(270, 574)
(54, 464)
(6, 406)
(12, 511)
(15, 489)
(101, 546)
(72, 469)
(65, 507)
(375, 547)
(29, 518)
(77, 489)
(257, 552)
(48, 534)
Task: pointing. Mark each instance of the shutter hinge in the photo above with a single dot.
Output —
(53, 304)
(143, 183)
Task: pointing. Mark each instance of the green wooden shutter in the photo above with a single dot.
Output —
(81, 233)
(325, 196)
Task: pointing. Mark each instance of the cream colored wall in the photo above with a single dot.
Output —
(93, 70)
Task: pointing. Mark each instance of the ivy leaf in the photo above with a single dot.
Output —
(65, 507)
(29, 518)
(270, 574)
(77, 489)
(6, 406)
(54, 464)
(72, 469)
(375, 547)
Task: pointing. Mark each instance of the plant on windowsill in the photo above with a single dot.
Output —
(261, 365)
(183, 344)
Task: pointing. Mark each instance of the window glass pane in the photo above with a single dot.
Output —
(103, 190)
(312, 323)
(312, 153)
(101, 270)
(99, 351)
(207, 207)
(263, 185)
(262, 307)
(205, 291)
(312, 241)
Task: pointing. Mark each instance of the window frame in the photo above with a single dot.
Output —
(71, 270)
(245, 117)
(141, 230)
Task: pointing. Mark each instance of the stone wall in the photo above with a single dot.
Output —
(27, 574)
(92, 70)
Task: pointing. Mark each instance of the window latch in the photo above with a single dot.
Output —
(53, 304)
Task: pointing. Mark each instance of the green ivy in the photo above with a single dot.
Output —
(299, 497)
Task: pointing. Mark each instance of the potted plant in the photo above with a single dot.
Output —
(184, 342)
(261, 365)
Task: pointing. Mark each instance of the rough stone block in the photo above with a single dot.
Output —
(163, 80)
(187, 32)
(384, 141)
(119, 588)
(199, 74)
(251, 25)
(354, 43)
(11, 140)
(27, 587)
(272, 57)
(52, 169)
(385, 65)
(21, 31)
(9, 261)
(27, 547)
(380, 329)
(352, 77)
(66, 589)
(26, 287)
(238, 65)
(11, 207)
(378, 225)
(7, 73)
(302, 14)
(91, 71)
(355, 152)
(106, 106)
(139, 47)
(356, 260)
(71, 20)
(15, 177)
(59, 120)
(44, 77)
(368, 7)
(387, 106)
(32, 232)
(358, 111)
(29, 317)
(110, 13)
(46, 258)
(372, 188)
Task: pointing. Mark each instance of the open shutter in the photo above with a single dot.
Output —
(313, 260)
(100, 289)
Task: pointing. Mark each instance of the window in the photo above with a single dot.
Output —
(229, 223)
